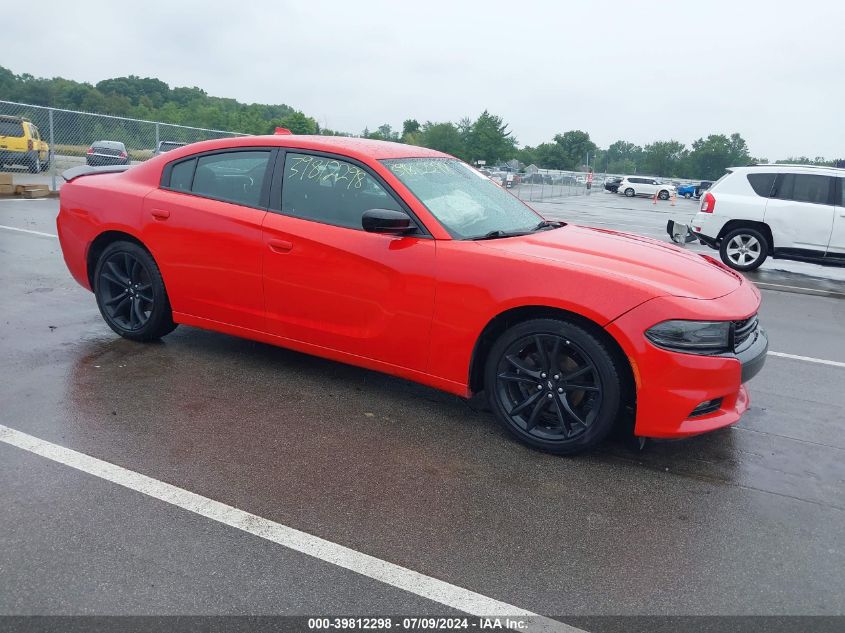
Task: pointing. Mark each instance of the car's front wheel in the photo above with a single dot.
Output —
(629, 192)
(687, 195)
(130, 293)
(744, 249)
(553, 385)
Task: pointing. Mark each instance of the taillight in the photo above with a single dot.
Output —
(123, 154)
(90, 150)
(29, 145)
(708, 203)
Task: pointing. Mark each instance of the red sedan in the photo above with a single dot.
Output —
(407, 261)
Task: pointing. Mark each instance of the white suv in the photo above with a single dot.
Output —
(786, 211)
(639, 186)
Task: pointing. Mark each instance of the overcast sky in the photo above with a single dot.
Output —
(632, 70)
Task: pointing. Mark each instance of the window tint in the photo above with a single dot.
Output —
(762, 183)
(182, 174)
(804, 188)
(234, 176)
(330, 191)
(841, 201)
(11, 128)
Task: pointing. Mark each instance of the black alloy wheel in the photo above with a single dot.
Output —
(553, 385)
(663, 195)
(130, 293)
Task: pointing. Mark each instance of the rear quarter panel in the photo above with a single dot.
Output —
(92, 205)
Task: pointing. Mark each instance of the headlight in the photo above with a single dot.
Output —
(692, 337)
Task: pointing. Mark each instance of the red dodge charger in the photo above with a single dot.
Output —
(408, 261)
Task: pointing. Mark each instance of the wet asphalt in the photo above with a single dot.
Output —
(748, 520)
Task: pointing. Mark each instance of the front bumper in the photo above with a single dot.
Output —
(671, 385)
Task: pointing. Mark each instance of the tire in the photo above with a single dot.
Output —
(629, 193)
(530, 375)
(663, 195)
(744, 249)
(687, 196)
(35, 165)
(130, 293)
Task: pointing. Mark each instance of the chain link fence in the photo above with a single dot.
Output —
(37, 143)
(547, 185)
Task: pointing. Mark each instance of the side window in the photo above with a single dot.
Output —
(841, 201)
(330, 191)
(762, 184)
(804, 188)
(182, 175)
(233, 176)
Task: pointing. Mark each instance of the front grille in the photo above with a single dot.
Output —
(744, 329)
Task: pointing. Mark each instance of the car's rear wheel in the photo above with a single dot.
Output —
(131, 294)
(663, 195)
(629, 192)
(553, 385)
(744, 249)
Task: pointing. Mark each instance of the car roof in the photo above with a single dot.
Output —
(350, 146)
(787, 167)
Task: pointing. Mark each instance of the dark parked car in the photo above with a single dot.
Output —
(107, 153)
(166, 146)
(612, 184)
(700, 189)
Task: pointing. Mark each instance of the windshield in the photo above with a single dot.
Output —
(463, 200)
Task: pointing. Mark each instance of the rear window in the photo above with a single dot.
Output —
(762, 183)
(182, 175)
(11, 128)
(233, 176)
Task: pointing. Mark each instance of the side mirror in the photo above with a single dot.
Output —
(386, 221)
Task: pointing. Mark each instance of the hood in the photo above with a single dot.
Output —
(663, 267)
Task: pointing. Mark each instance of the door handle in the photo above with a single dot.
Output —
(160, 214)
(279, 246)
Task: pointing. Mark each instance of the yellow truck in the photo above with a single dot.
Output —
(21, 144)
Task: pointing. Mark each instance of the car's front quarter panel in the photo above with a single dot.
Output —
(671, 384)
(475, 284)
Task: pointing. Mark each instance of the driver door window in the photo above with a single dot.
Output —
(330, 191)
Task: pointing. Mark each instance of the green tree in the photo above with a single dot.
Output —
(409, 127)
(711, 156)
(664, 158)
(444, 137)
(488, 139)
(623, 157)
(297, 123)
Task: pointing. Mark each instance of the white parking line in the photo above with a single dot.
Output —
(31, 232)
(406, 579)
(808, 359)
(766, 285)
